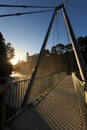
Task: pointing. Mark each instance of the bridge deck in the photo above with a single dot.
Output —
(59, 110)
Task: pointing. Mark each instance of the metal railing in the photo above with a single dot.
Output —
(11, 95)
(81, 97)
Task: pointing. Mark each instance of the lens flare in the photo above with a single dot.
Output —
(14, 61)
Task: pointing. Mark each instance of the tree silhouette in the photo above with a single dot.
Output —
(9, 51)
(53, 49)
(69, 47)
(59, 48)
(6, 53)
(82, 41)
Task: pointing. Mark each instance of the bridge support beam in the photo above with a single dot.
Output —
(28, 91)
(78, 55)
(77, 52)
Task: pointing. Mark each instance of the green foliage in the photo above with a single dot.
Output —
(61, 58)
(6, 53)
(82, 41)
(9, 51)
(59, 48)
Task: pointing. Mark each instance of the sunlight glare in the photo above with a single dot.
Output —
(14, 61)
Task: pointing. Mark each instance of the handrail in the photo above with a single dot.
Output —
(81, 97)
(11, 95)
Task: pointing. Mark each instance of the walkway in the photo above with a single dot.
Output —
(58, 110)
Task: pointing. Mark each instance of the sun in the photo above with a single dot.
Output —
(14, 61)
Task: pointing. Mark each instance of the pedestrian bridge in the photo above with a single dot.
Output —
(55, 102)
(61, 107)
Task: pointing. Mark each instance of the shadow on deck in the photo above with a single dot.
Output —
(58, 110)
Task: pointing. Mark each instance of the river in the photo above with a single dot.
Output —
(16, 76)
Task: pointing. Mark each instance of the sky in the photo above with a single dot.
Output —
(26, 33)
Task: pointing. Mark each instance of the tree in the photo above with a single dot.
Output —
(82, 41)
(9, 51)
(3, 55)
(53, 49)
(46, 52)
(69, 47)
(59, 48)
(6, 53)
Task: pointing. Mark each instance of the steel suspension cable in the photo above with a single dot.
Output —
(24, 6)
(28, 91)
(67, 34)
(57, 29)
(25, 13)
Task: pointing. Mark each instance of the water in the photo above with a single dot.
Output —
(16, 76)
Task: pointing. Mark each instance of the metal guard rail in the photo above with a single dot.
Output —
(81, 96)
(11, 95)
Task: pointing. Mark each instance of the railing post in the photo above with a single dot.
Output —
(3, 110)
